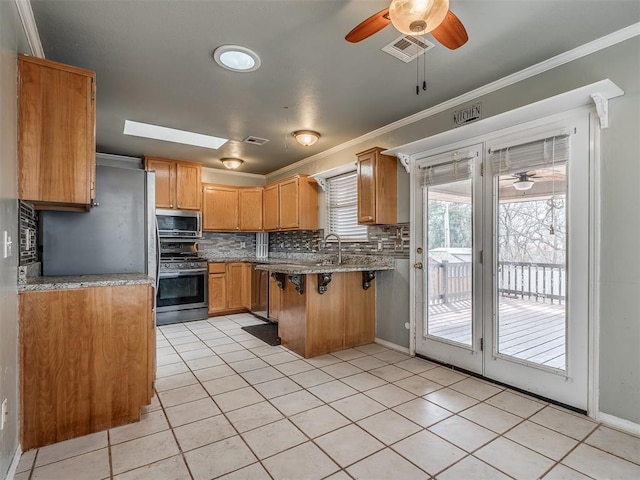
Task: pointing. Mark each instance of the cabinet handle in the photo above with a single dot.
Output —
(171, 205)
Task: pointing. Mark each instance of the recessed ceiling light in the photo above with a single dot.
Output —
(156, 132)
(236, 58)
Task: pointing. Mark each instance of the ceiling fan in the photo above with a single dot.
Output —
(415, 17)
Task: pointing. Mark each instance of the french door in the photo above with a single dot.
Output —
(501, 271)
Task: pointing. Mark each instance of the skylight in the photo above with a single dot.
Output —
(166, 134)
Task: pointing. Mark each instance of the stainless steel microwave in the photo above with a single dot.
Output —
(179, 224)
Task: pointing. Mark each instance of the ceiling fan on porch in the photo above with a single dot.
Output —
(415, 17)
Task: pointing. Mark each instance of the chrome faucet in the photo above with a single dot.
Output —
(339, 245)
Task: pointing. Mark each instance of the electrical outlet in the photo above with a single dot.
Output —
(379, 244)
(3, 414)
(243, 244)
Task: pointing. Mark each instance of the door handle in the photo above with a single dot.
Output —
(418, 265)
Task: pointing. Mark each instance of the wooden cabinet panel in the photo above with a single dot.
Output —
(366, 188)
(217, 292)
(270, 207)
(56, 134)
(247, 269)
(188, 185)
(165, 179)
(235, 286)
(67, 391)
(377, 188)
(178, 183)
(289, 207)
(275, 296)
(291, 204)
(250, 200)
(220, 208)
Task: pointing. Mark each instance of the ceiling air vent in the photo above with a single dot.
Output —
(255, 140)
(407, 47)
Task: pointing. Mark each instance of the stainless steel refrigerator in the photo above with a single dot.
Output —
(118, 235)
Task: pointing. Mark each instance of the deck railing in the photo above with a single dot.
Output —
(542, 282)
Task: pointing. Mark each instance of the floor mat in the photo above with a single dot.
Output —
(267, 332)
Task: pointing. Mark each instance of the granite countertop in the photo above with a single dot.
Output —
(350, 263)
(85, 281)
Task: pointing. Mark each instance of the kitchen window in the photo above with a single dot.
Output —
(342, 208)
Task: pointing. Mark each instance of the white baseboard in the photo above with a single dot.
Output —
(14, 463)
(619, 423)
(392, 346)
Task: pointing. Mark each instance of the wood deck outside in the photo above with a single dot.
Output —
(528, 330)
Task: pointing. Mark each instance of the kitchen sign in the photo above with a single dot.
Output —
(469, 114)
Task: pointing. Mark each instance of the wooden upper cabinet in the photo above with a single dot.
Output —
(178, 183)
(250, 200)
(270, 207)
(165, 178)
(227, 208)
(291, 204)
(188, 185)
(377, 188)
(220, 208)
(56, 134)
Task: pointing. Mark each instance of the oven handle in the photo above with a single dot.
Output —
(182, 273)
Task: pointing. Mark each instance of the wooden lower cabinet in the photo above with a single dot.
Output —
(275, 297)
(312, 324)
(86, 360)
(229, 287)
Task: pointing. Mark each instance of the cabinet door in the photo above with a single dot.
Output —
(56, 133)
(247, 270)
(235, 282)
(289, 204)
(165, 181)
(217, 292)
(220, 208)
(188, 186)
(367, 188)
(271, 221)
(250, 209)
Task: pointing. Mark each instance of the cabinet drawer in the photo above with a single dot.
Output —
(217, 267)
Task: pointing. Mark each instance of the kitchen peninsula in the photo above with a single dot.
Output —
(326, 307)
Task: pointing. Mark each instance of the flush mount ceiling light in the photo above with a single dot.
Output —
(306, 137)
(232, 163)
(524, 182)
(417, 17)
(156, 132)
(236, 58)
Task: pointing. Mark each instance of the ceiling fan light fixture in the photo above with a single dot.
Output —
(232, 163)
(306, 137)
(236, 58)
(417, 17)
(523, 184)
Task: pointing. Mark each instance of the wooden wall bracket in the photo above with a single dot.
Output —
(323, 280)
(279, 278)
(298, 281)
(367, 278)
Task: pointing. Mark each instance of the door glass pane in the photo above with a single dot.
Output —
(448, 268)
(531, 270)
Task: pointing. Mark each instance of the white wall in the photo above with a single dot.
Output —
(222, 177)
(12, 39)
(619, 280)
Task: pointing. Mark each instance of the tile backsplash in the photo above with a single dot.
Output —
(213, 245)
(28, 223)
(388, 240)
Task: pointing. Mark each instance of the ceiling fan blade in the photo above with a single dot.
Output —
(371, 25)
(451, 33)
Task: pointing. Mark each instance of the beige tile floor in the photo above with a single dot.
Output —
(229, 406)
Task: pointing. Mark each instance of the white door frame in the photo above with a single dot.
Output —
(447, 141)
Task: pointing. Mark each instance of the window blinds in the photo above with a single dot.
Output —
(448, 172)
(342, 207)
(542, 153)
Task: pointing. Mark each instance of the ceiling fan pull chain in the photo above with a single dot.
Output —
(424, 71)
(417, 69)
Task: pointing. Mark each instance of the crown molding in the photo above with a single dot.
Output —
(219, 171)
(30, 27)
(549, 64)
